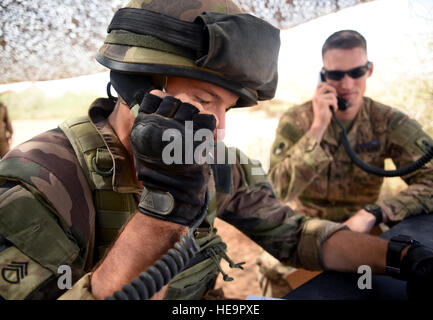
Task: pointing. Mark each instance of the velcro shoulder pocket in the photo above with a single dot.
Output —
(32, 227)
(406, 132)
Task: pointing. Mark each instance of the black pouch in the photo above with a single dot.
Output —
(249, 60)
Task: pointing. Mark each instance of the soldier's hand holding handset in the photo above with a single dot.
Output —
(324, 97)
(173, 192)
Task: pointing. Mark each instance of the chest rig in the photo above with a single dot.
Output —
(113, 209)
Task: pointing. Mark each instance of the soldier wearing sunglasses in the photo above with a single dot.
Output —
(309, 167)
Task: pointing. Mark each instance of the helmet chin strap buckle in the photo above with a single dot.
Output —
(110, 96)
(130, 87)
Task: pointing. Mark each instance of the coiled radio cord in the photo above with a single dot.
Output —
(418, 164)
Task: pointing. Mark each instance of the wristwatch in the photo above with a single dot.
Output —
(375, 210)
(393, 255)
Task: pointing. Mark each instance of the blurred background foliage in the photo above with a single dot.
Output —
(33, 103)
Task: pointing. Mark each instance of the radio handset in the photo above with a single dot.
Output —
(341, 103)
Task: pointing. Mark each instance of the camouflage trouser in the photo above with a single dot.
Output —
(272, 276)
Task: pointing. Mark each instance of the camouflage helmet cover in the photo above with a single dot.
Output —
(131, 52)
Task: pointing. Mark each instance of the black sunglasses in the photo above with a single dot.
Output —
(354, 73)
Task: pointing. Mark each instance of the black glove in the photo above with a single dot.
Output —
(417, 269)
(173, 192)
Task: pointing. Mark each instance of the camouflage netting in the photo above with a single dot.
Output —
(47, 39)
(288, 13)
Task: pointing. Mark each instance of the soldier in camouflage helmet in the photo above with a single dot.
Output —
(95, 195)
(309, 167)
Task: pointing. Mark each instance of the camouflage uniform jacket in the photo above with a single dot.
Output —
(47, 213)
(320, 179)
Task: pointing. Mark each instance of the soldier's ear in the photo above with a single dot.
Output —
(370, 72)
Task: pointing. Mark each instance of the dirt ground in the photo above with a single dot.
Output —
(239, 248)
